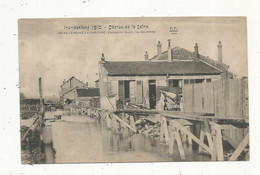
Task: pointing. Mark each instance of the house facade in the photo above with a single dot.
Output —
(88, 97)
(138, 82)
(68, 88)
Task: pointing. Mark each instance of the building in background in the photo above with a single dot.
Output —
(89, 97)
(68, 88)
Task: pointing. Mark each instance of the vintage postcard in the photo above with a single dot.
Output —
(158, 89)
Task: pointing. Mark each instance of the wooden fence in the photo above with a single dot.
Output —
(223, 98)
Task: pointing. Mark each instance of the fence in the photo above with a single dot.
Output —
(224, 98)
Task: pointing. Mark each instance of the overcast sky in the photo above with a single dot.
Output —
(54, 57)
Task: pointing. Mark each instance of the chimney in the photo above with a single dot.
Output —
(219, 51)
(146, 56)
(169, 50)
(103, 60)
(159, 48)
(86, 84)
(196, 51)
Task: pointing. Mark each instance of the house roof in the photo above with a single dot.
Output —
(184, 54)
(70, 79)
(90, 92)
(142, 68)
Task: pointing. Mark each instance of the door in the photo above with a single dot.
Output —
(152, 94)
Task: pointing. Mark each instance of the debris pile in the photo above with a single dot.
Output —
(148, 126)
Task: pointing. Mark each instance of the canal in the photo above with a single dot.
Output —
(80, 139)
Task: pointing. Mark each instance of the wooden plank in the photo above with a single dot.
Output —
(230, 140)
(193, 137)
(25, 134)
(193, 98)
(209, 98)
(240, 148)
(182, 115)
(211, 145)
(180, 146)
(227, 127)
(124, 123)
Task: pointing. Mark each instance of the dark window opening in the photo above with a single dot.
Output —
(127, 94)
(208, 80)
(186, 81)
(174, 83)
(199, 80)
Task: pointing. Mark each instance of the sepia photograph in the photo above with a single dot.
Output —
(143, 89)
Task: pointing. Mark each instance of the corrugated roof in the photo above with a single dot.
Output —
(90, 92)
(159, 68)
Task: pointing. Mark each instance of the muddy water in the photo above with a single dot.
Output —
(91, 141)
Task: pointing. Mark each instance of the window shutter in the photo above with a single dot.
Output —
(121, 90)
(139, 92)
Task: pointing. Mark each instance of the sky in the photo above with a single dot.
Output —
(45, 51)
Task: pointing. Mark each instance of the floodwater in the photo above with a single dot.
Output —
(78, 139)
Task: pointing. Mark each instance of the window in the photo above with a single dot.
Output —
(208, 80)
(174, 83)
(199, 80)
(186, 81)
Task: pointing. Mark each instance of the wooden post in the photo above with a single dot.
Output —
(41, 102)
(171, 143)
(189, 138)
(211, 145)
(202, 136)
(161, 130)
(192, 136)
(166, 134)
(179, 143)
(218, 142)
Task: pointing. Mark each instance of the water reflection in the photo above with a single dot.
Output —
(92, 142)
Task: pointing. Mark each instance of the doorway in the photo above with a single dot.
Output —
(152, 94)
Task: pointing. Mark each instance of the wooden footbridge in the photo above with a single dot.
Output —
(209, 132)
